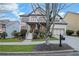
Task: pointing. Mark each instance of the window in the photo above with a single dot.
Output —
(57, 20)
(3, 26)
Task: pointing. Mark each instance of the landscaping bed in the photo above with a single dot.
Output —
(10, 40)
(51, 47)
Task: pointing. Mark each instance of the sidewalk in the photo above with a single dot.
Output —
(27, 42)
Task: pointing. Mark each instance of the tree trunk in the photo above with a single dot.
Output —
(47, 23)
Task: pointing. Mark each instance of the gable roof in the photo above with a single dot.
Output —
(72, 19)
(36, 12)
(40, 12)
(5, 21)
(71, 13)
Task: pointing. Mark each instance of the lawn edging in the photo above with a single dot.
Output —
(57, 51)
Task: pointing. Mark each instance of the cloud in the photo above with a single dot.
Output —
(8, 7)
(8, 18)
(62, 14)
(21, 13)
(78, 12)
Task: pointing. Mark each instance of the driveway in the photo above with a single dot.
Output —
(73, 42)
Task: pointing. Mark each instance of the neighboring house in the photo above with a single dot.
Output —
(3, 25)
(9, 26)
(12, 26)
(73, 21)
(36, 20)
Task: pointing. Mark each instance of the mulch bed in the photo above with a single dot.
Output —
(51, 47)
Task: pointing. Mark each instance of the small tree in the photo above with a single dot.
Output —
(3, 35)
(69, 32)
(77, 33)
(51, 11)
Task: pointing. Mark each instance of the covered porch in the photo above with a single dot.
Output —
(36, 26)
(35, 29)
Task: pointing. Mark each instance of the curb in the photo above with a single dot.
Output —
(70, 50)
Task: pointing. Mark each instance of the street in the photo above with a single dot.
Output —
(42, 54)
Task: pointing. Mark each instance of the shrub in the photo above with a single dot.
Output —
(23, 33)
(77, 33)
(14, 33)
(35, 34)
(38, 35)
(42, 35)
(69, 32)
(20, 34)
(17, 34)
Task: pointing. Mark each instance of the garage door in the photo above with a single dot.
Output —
(58, 31)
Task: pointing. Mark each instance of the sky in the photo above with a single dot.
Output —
(12, 11)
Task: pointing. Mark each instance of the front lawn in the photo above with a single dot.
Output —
(52, 38)
(10, 40)
(17, 40)
(16, 48)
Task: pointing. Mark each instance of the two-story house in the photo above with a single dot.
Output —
(36, 20)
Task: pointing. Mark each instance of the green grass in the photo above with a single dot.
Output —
(38, 40)
(10, 40)
(52, 38)
(16, 40)
(16, 48)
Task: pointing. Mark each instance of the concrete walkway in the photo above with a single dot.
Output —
(27, 42)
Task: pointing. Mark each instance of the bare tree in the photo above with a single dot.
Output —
(51, 10)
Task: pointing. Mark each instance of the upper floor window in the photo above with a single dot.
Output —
(3, 26)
